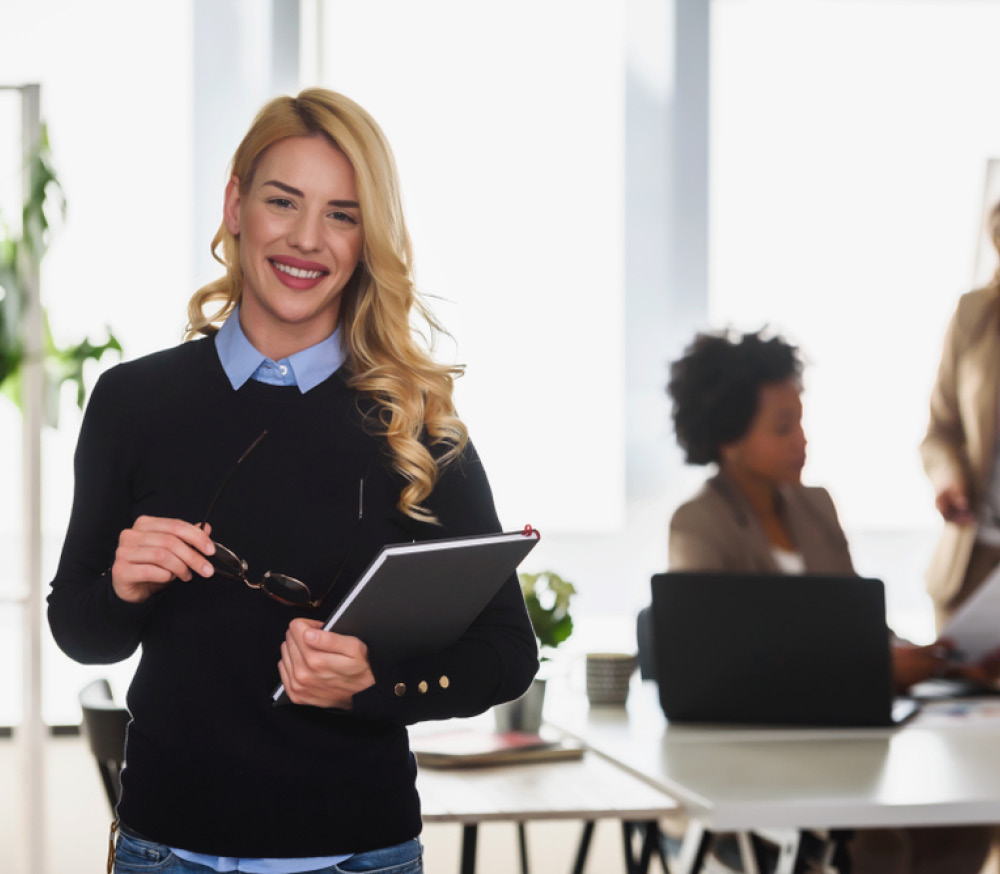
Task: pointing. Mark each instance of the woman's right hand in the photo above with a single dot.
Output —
(154, 552)
(914, 664)
(952, 503)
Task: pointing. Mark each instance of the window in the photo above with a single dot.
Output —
(849, 148)
(117, 105)
(509, 138)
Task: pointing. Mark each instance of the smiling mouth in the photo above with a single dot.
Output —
(297, 272)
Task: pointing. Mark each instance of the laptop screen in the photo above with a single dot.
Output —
(772, 649)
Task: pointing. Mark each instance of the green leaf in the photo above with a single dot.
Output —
(18, 256)
(547, 597)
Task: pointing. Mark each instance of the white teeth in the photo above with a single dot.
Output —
(296, 272)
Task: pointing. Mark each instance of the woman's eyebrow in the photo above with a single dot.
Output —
(289, 190)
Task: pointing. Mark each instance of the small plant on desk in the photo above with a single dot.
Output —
(547, 597)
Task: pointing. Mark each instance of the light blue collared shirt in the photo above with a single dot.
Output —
(306, 370)
(259, 866)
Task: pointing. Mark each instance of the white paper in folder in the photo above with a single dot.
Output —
(975, 627)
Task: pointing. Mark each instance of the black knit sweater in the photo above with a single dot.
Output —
(212, 765)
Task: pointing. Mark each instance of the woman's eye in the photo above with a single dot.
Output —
(283, 202)
(347, 218)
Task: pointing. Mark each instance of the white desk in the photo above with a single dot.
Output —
(736, 779)
(588, 789)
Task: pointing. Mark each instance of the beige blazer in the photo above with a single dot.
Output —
(958, 446)
(718, 530)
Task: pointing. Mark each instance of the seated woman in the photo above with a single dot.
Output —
(737, 404)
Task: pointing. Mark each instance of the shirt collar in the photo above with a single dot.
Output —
(240, 359)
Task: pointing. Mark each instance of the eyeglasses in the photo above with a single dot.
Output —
(281, 587)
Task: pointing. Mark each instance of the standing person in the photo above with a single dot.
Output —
(737, 404)
(960, 449)
(304, 427)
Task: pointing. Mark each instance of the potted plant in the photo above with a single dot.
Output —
(547, 597)
(19, 256)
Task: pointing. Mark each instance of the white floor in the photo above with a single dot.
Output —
(78, 819)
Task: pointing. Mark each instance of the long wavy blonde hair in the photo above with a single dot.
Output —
(415, 411)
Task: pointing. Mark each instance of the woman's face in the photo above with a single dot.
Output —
(774, 448)
(300, 238)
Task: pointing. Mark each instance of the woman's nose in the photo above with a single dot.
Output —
(306, 232)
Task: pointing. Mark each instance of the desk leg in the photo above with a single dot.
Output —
(628, 831)
(757, 852)
(748, 853)
(522, 839)
(470, 834)
(788, 853)
(652, 842)
(584, 847)
(693, 850)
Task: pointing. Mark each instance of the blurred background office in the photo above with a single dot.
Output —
(587, 183)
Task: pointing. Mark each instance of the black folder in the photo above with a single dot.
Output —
(418, 598)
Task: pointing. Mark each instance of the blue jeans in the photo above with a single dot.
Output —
(135, 855)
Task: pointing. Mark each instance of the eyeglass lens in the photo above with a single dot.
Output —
(279, 586)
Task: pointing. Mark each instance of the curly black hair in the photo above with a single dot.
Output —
(716, 385)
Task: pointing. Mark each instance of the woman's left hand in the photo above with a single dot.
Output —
(985, 671)
(323, 668)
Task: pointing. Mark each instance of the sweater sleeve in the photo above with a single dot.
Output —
(89, 622)
(494, 660)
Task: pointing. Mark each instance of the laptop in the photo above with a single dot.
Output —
(774, 649)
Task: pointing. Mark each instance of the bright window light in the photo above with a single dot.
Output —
(507, 122)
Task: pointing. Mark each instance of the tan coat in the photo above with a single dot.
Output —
(718, 530)
(960, 437)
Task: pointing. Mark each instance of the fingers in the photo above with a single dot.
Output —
(323, 668)
(976, 673)
(946, 650)
(155, 551)
(192, 535)
(953, 504)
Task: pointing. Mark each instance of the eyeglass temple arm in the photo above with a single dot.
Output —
(229, 476)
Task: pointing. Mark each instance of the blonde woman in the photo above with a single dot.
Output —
(303, 427)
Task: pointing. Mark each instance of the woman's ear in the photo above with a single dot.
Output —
(231, 207)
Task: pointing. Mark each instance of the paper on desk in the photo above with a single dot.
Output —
(975, 627)
(959, 711)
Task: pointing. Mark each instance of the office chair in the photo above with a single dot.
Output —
(644, 641)
(105, 724)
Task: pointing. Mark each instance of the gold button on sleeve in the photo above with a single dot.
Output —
(444, 682)
(399, 689)
(422, 687)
